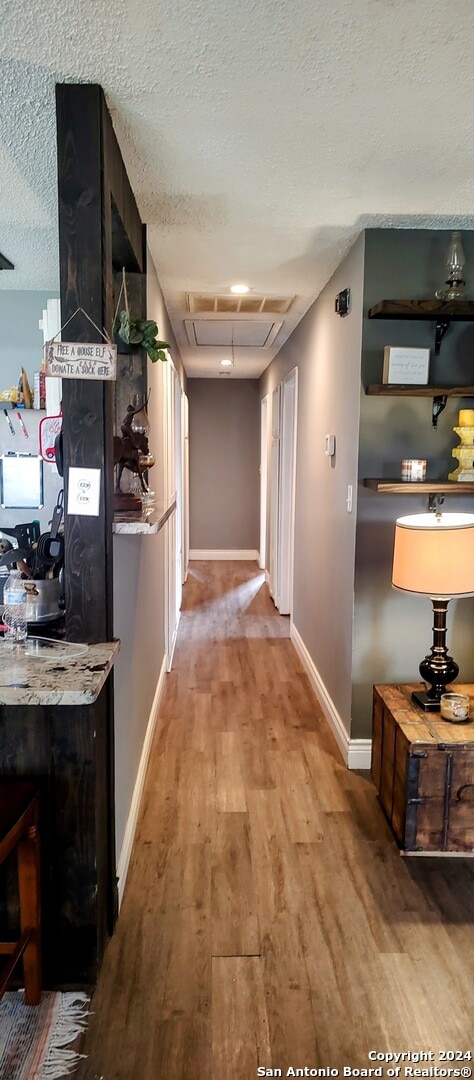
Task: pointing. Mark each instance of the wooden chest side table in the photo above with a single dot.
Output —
(423, 769)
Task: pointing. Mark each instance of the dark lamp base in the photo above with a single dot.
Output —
(438, 668)
(420, 697)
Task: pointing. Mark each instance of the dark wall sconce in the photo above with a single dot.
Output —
(342, 303)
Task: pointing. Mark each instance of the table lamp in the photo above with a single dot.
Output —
(434, 555)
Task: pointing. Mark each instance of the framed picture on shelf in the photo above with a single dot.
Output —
(403, 365)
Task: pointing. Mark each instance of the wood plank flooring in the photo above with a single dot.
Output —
(268, 917)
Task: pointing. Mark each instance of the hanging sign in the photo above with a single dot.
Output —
(80, 360)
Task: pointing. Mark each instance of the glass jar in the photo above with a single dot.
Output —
(454, 707)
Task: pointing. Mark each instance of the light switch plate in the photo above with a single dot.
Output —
(84, 492)
(330, 445)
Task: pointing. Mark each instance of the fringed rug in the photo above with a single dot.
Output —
(34, 1039)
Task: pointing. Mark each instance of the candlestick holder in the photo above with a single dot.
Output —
(464, 454)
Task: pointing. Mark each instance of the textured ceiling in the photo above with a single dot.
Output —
(259, 139)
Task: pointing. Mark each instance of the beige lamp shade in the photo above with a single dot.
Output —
(434, 555)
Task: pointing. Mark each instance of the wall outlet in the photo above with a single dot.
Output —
(349, 499)
(84, 492)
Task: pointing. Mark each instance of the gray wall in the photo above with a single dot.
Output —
(326, 349)
(224, 453)
(139, 606)
(21, 342)
(139, 595)
(392, 630)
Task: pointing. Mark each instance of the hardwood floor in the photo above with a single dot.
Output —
(268, 917)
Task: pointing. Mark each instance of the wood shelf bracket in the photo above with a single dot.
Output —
(442, 325)
(439, 403)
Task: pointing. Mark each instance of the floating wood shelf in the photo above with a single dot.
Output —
(419, 487)
(443, 311)
(453, 310)
(406, 390)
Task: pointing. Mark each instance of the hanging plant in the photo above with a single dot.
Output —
(142, 332)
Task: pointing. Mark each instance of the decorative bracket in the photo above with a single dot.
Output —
(439, 403)
(442, 325)
(435, 500)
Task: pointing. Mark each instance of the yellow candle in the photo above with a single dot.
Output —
(466, 418)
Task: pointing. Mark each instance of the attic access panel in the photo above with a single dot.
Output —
(246, 333)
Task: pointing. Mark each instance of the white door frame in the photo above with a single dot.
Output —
(274, 584)
(286, 529)
(178, 457)
(173, 490)
(185, 516)
(263, 479)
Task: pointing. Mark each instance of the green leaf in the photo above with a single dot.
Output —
(148, 327)
(156, 354)
(135, 336)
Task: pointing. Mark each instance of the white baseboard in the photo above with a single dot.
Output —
(267, 578)
(355, 752)
(360, 754)
(169, 663)
(124, 858)
(221, 554)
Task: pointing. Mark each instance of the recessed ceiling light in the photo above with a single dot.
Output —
(225, 363)
(240, 289)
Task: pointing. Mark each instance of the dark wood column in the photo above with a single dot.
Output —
(99, 230)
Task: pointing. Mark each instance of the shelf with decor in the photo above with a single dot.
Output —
(439, 394)
(413, 390)
(442, 312)
(455, 310)
(419, 487)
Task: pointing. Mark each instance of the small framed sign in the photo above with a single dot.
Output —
(80, 360)
(405, 365)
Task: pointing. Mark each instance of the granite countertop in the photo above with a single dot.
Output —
(55, 673)
(149, 521)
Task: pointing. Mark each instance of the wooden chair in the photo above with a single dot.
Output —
(19, 830)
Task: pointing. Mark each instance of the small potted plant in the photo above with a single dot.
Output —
(138, 332)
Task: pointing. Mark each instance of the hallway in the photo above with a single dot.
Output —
(268, 918)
